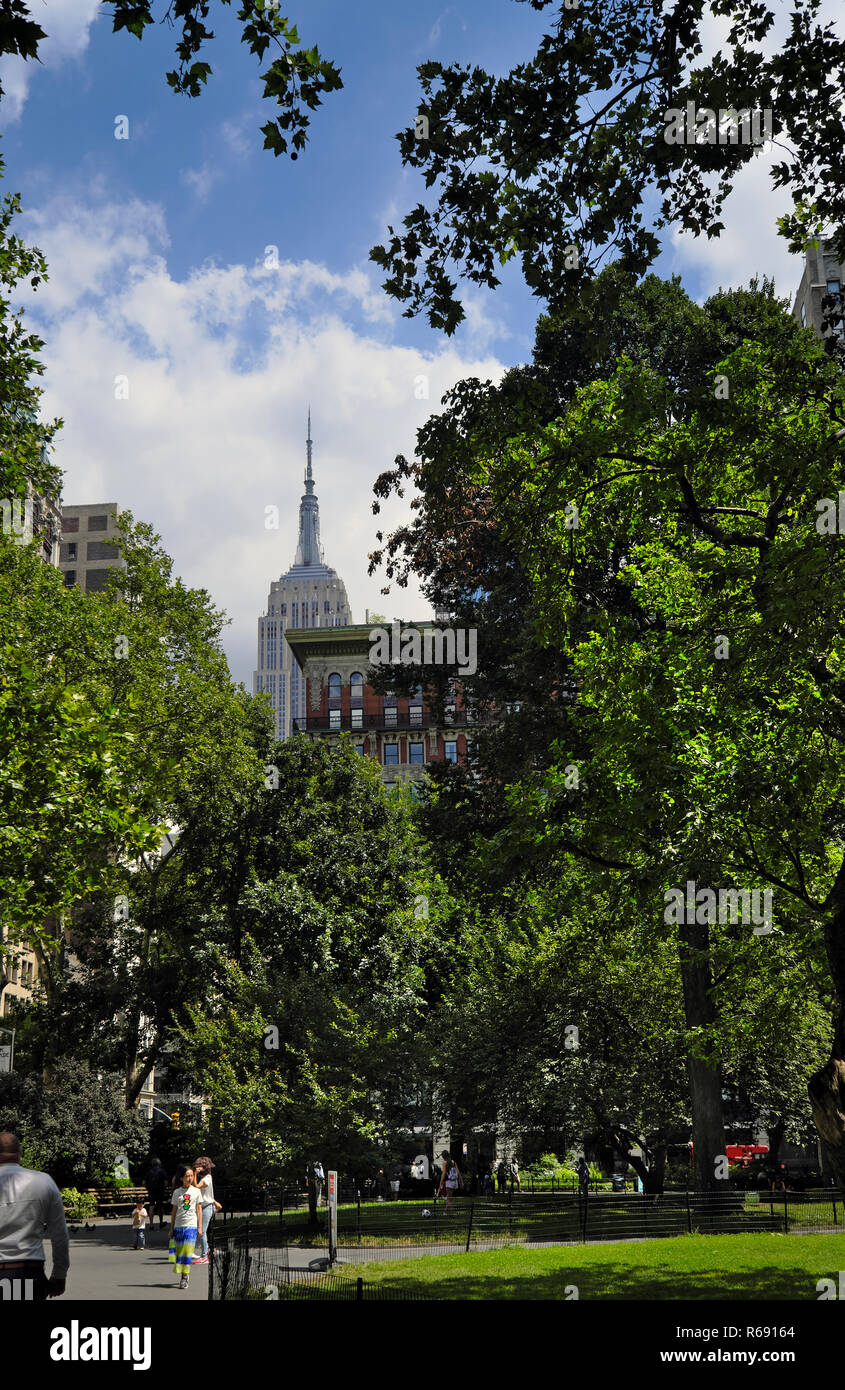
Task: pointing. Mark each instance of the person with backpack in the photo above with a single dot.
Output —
(450, 1179)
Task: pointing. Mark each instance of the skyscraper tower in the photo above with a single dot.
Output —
(309, 595)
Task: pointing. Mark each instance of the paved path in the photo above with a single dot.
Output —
(103, 1265)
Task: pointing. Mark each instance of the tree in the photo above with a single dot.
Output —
(567, 158)
(180, 745)
(481, 568)
(314, 963)
(708, 689)
(25, 464)
(76, 1127)
(297, 79)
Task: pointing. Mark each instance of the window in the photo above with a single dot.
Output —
(96, 581)
(327, 608)
(334, 718)
(416, 754)
(803, 316)
(70, 525)
(70, 578)
(97, 523)
(415, 716)
(450, 750)
(359, 748)
(68, 552)
(283, 609)
(357, 718)
(334, 686)
(100, 550)
(389, 714)
(833, 286)
(356, 686)
(391, 755)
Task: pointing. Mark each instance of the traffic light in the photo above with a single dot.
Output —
(174, 1118)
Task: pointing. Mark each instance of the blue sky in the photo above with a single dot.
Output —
(157, 248)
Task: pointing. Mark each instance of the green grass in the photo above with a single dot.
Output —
(757, 1266)
(401, 1223)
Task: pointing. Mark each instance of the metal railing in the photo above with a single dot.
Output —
(250, 1260)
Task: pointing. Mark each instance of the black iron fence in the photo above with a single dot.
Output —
(250, 1264)
(252, 1260)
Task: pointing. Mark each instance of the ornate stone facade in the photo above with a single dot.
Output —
(310, 595)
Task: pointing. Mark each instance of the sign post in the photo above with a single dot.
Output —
(332, 1216)
(7, 1050)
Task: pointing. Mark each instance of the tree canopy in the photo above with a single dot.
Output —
(562, 163)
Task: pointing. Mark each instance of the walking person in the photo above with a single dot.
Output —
(396, 1182)
(156, 1182)
(202, 1171)
(501, 1175)
(139, 1224)
(30, 1206)
(583, 1171)
(450, 1179)
(513, 1170)
(185, 1223)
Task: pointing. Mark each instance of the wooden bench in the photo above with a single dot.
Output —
(118, 1201)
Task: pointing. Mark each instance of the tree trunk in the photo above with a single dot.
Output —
(827, 1086)
(313, 1219)
(705, 1081)
(775, 1135)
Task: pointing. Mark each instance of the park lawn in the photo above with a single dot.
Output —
(753, 1266)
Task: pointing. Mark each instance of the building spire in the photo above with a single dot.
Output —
(309, 551)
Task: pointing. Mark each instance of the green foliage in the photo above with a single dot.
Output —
(605, 635)
(311, 933)
(566, 152)
(77, 1125)
(297, 79)
(78, 1205)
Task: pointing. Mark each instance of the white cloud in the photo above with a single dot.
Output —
(750, 244)
(220, 366)
(201, 180)
(67, 24)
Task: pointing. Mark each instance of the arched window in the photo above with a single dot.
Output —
(334, 686)
(356, 686)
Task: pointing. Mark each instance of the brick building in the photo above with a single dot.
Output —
(400, 732)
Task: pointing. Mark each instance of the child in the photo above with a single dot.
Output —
(139, 1222)
(185, 1223)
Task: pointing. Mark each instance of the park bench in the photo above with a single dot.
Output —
(117, 1201)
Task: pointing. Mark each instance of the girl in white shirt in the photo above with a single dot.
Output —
(185, 1224)
(205, 1183)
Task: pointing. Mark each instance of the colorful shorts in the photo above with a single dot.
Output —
(182, 1244)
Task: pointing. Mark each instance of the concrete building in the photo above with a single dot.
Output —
(824, 274)
(309, 595)
(88, 551)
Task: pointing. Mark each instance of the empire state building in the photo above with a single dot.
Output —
(309, 595)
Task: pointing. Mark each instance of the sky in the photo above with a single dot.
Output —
(231, 289)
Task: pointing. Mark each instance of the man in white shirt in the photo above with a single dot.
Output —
(29, 1201)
